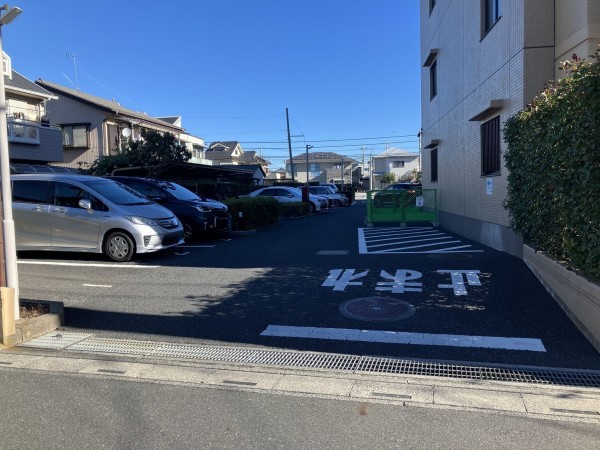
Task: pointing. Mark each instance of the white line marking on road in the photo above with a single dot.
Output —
(399, 337)
(182, 254)
(414, 246)
(406, 236)
(98, 285)
(56, 263)
(196, 246)
(409, 242)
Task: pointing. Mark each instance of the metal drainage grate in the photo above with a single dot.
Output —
(311, 360)
(56, 340)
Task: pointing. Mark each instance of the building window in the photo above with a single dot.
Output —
(431, 6)
(490, 147)
(434, 165)
(76, 136)
(491, 14)
(314, 169)
(397, 164)
(433, 80)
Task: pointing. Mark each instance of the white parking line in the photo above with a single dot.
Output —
(399, 337)
(98, 285)
(57, 263)
(395, 240)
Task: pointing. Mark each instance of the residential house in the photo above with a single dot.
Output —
(31, 138)
(483, 61)
(232, 153)
(275, 175)
(93, 127)
(401, 163)
(324, 167)
(193, 143)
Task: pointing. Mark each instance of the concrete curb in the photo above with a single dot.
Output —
(38, 326)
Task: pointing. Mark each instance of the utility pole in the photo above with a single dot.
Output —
(308, 147)
(363, 161)
(287, 119)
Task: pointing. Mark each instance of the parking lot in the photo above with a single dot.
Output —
(325, 283)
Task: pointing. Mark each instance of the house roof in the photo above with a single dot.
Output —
(20, 83)
(321, 156)
(395, 153)
(253, 167)
(107, 105)
(229, 145)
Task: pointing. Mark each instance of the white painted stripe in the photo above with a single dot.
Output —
(362, 244)
(56, 263)
(401, 231)
(396, 241)
(415, 246)
(98, 285)
(446, 250)
(399, 337)
(411, 236)
(195, 246)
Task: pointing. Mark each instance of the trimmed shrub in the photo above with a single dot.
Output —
(256, 212)
(553, 159)
(293, 209)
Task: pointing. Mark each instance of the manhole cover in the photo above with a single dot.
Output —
(449, 256)
(379, 309)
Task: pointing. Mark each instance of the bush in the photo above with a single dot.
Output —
(293, 209)
(553, 159)
(256, 212)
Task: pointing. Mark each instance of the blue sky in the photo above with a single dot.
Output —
(348, 70)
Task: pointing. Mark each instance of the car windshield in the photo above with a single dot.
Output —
(117, 193)
(179, 192)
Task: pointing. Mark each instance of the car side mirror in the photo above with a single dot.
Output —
(85, 204)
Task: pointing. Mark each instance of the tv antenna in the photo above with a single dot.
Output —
(73, 56)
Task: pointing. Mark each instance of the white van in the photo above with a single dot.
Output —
(80, 213)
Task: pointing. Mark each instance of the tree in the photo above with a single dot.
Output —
(388, 178)
(154, 151)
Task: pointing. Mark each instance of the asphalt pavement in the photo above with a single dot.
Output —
(322, 283)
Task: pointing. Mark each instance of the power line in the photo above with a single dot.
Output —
(333, 140)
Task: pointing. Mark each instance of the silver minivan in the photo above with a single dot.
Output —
(80, 213)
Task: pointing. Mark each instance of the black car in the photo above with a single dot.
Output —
(199, 216)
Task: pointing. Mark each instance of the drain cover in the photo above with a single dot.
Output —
(378, 309)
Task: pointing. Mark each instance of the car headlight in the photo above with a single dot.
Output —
(203, 208)
(138, 220)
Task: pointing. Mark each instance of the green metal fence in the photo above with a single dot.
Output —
(401, 206)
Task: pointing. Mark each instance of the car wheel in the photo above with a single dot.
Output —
(119, 247)
(311, 208)
(188, 233)
(337, 203)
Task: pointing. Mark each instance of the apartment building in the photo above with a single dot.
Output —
(31, 137)
(482, 61)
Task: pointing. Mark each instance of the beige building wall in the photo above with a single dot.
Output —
(577, 29)
(508, 65)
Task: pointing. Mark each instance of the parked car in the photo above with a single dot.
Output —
(397, 195)
(80, 213)
(199, 216)
(404, 187)
(325, 191)
(285, 194)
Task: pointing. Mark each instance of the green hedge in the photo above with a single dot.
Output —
(553, 159)
(258, 212)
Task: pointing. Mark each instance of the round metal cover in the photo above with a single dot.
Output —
(377, 309)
